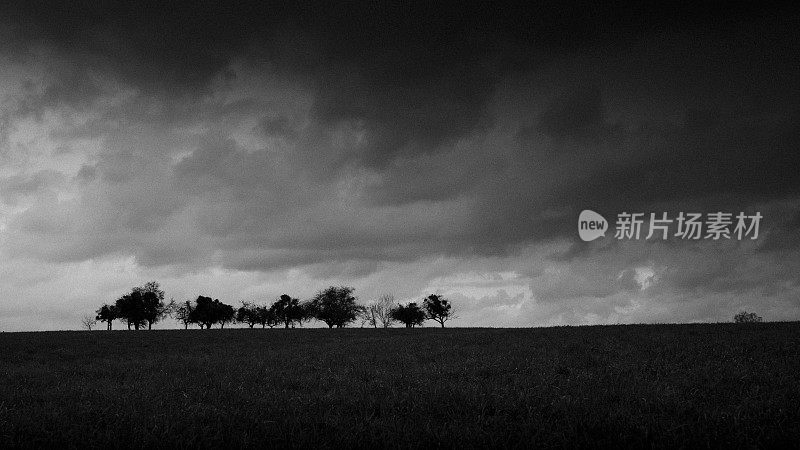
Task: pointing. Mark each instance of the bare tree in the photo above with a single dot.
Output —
(365, 316)
(88, 321)
(182, 313)
(379, 312)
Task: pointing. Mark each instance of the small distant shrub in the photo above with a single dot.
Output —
(747, 317)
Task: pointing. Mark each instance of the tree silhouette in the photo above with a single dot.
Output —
(267, 316)
(88, 321)
(143, 305)
(379, 312)
(365, 316)
(746, 317)
(203, 312)
(108, 314)
(248, 313)
(183, 313)
(289, 311)
(336, 306)
(438, 309)
(131, 309)
(153, 299)
(225, 313)
(207, 312)
(411, 315)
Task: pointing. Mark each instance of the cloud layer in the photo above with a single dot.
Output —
(403, 149)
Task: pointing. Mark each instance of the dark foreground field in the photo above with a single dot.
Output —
(663, 386)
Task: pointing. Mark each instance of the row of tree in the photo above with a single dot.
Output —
(336, 306)
(144, 305)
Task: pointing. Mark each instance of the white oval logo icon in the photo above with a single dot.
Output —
(591, 225)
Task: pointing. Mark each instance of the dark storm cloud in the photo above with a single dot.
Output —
(403, 103)
(430, 68)
(576, 115)
(749, 159)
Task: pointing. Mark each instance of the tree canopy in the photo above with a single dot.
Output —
(248, 313)
(183, 313)
(131, 309)
(438, 309)
(143, 305)
(747, 317)
(289, 310)
(207, 312)
(267, 316)
(108, 314)
(410, 315)
(336, 306)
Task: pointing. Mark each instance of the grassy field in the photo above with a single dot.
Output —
(644, 386)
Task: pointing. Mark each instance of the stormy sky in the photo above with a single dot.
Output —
(245, 151)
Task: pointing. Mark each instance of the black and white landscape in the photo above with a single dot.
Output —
(530, 164)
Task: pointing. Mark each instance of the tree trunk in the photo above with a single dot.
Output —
(149, 325)
(136, 326)
(442, 322)
(186, 326)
